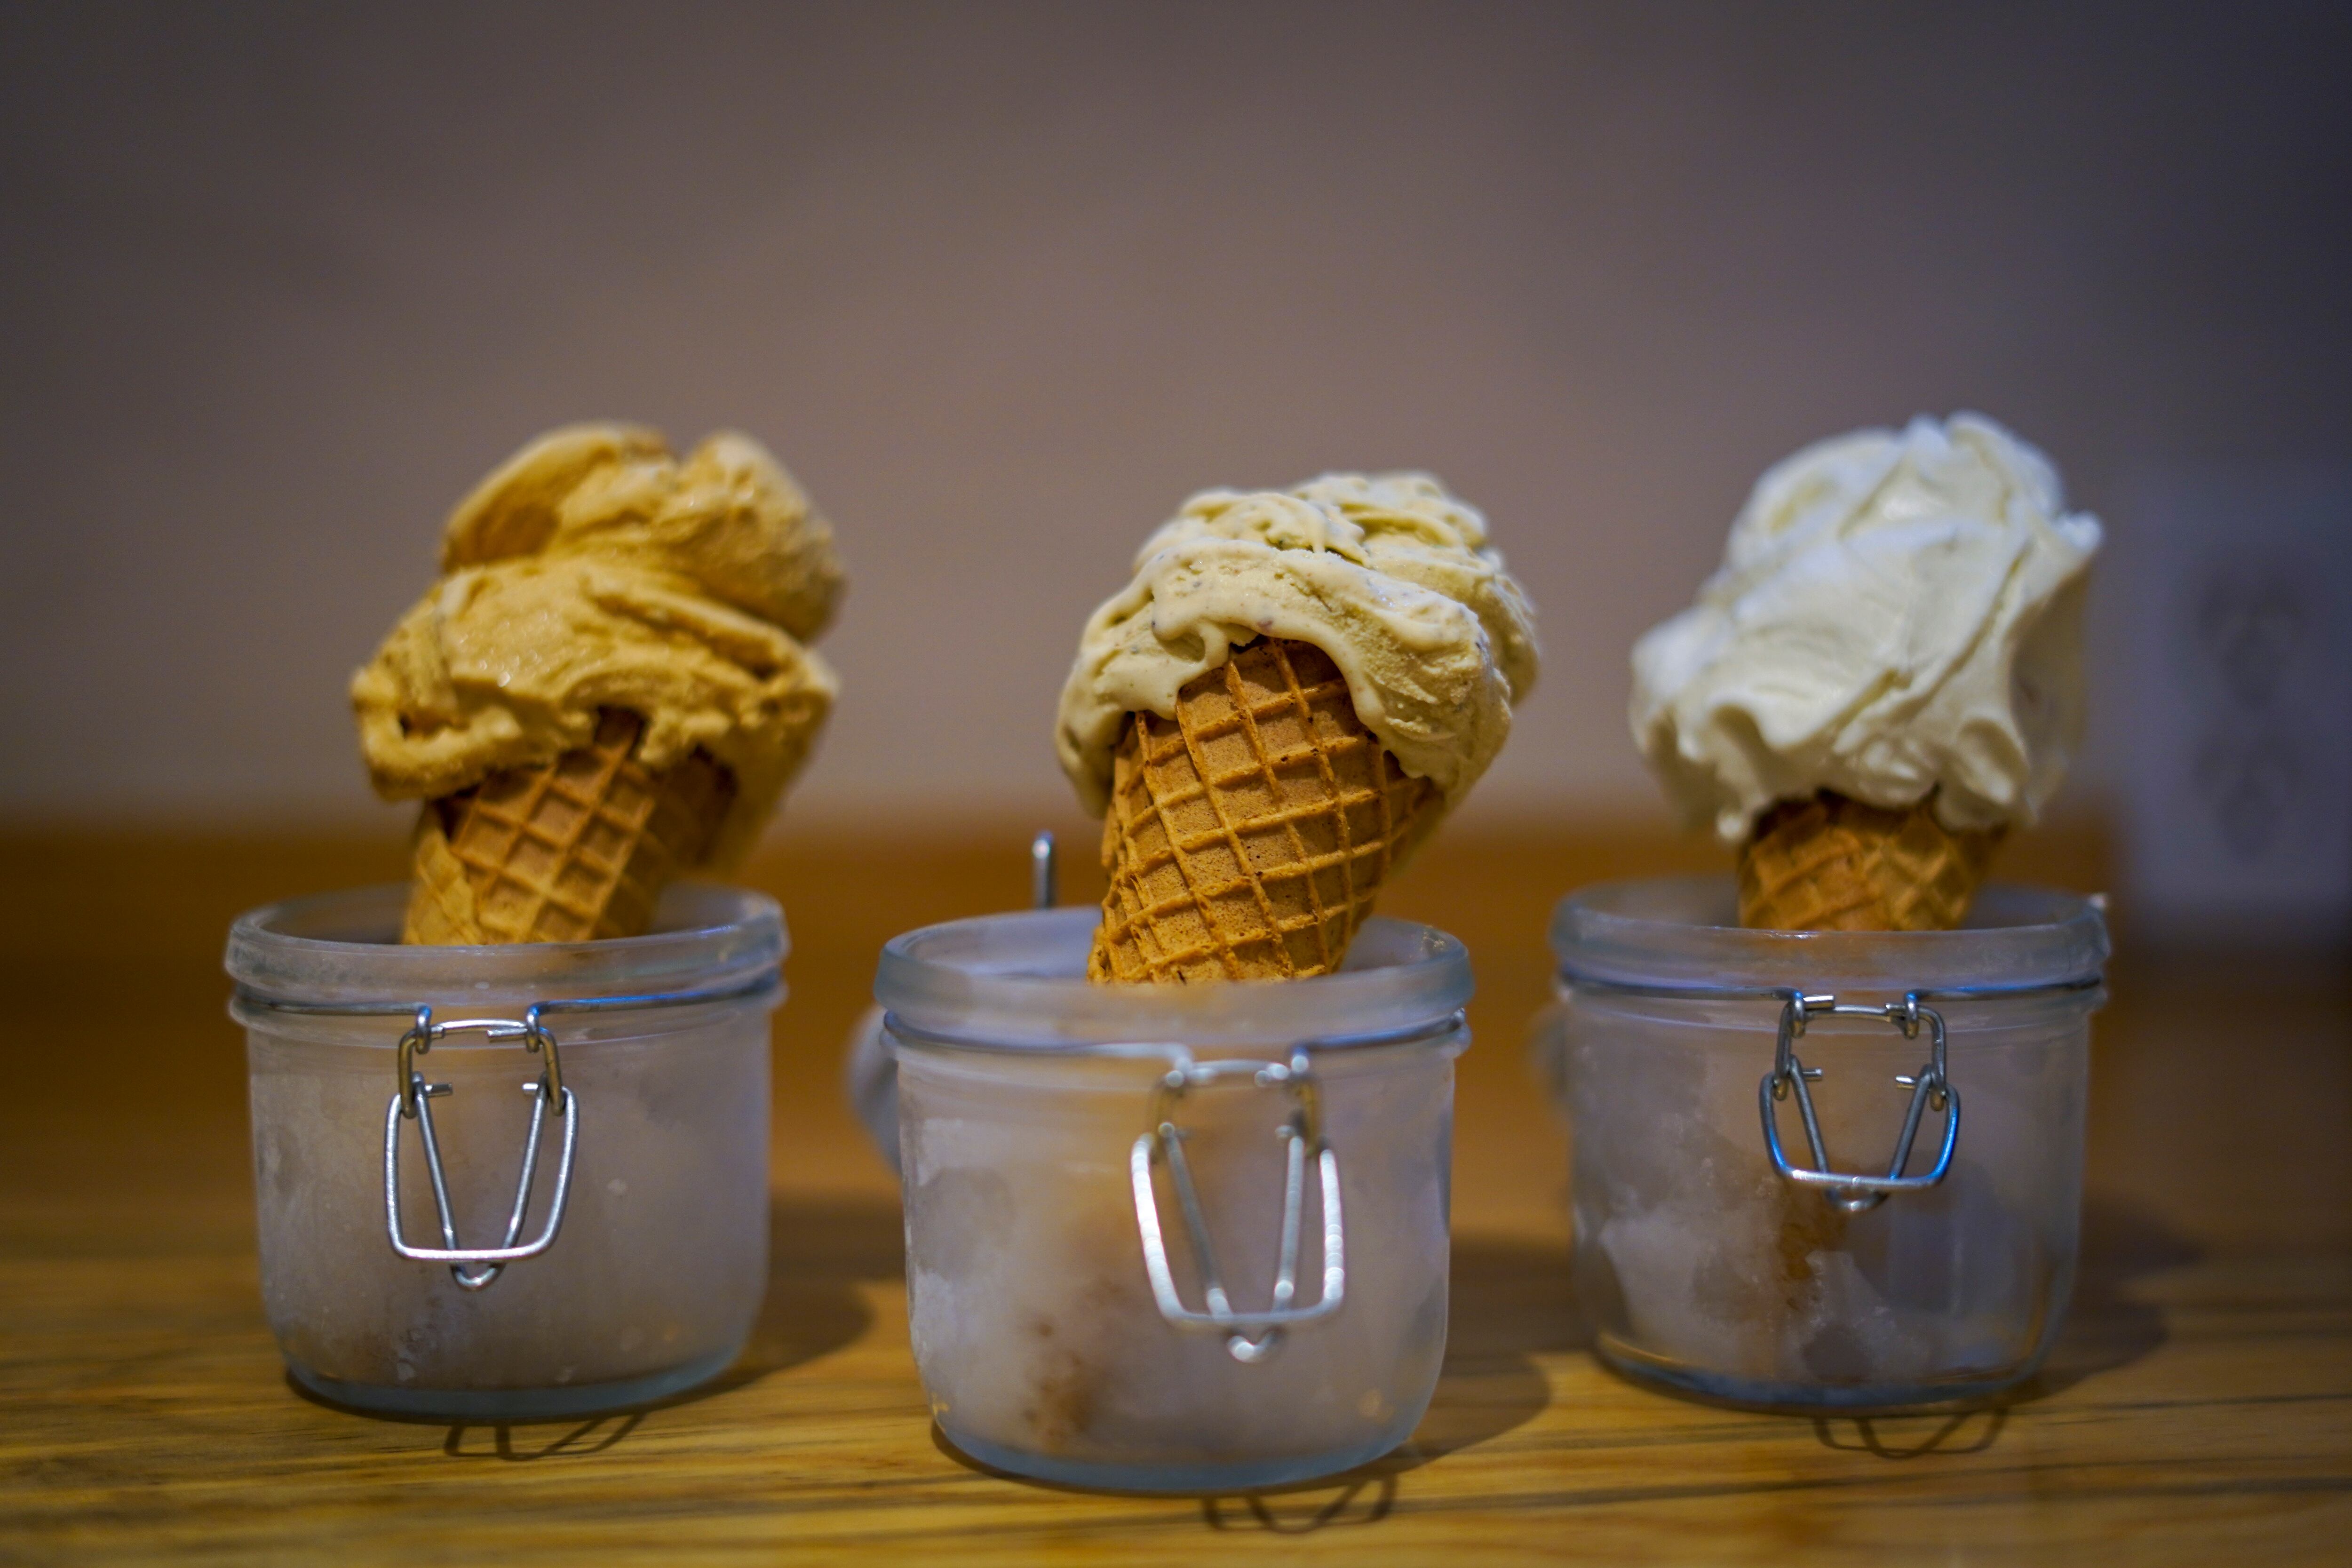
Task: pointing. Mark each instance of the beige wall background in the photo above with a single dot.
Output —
(1003, 283)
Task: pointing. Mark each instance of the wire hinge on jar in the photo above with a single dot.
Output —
(412, 1100)
(1928, 1088)
(1250, 1337)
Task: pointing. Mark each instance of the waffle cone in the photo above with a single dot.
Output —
(576, 849)
(1832, 863)
(1247, 836)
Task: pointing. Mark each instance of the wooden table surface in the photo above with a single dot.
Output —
(2198, 1408)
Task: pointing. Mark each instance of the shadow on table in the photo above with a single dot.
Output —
(819, 1252)
(1360, 1496)
(1510, 1299)
(593, 1435)
(2105, 1329)
(1914, 1437)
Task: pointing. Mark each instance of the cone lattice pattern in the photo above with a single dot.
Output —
(579, 848)
(1247, 837)
(1835, 864)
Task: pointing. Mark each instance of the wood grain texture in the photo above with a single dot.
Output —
(2199, 1407)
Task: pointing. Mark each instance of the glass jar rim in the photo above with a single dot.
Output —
(1678, 933)
(1018, 981)
(342, 949)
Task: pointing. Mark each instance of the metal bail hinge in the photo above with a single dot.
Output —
(1250, 1336)
(1928, 1087)
(413, 1101)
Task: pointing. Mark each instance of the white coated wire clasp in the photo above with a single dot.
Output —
(412, 1100)
(1250, 1337)
(1930, 1089)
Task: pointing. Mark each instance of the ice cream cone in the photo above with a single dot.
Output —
(1247, 837)
(1832, 863)
(576, 849)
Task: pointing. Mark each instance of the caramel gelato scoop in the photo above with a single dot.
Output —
(1388, 574)
(1293, 688)
(607, 686)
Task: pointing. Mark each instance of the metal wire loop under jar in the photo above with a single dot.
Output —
(412, 1099)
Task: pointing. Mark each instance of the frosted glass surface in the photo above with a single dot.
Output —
(1698, 1264)
(654, 1278)
(1040, 1342)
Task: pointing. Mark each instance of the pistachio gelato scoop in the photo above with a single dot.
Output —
(1387, 573)
(594, 570)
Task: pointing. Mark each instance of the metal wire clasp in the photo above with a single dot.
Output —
(413, 1101)
(1928, 1087)
(1251, 1337)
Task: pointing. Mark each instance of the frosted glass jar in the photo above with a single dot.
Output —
(1049, 1127)
(1684, 1056)
(650, 1081)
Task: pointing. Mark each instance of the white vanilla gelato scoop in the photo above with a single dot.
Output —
(1386, 573)
(1898, 612)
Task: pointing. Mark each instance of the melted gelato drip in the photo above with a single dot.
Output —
(1387, 573)
(594, 570)
(1897, 614)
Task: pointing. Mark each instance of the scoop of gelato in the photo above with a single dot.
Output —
(594, 569)
(1897, 614)
(1385, 572)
